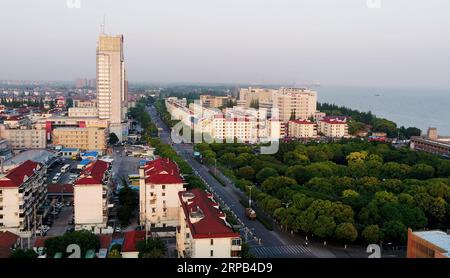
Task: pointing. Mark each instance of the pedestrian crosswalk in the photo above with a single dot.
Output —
(287, 251)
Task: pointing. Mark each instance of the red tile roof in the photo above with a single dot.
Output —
(7, 241)
(162, 171)
(16, 177)
(131, 239)
(211, 224)
(94, 173)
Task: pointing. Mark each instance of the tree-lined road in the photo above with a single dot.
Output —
(273, 243)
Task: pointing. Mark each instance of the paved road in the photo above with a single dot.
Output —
(230, 196)
(61, 222)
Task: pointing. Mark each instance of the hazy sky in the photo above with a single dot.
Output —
(404, 43)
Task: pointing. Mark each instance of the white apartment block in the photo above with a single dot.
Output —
(250, 96)
(22, 193)
(82, 112)
(91, 192)
(159, 184)
(336, 127)
(295, 103)
(203, 231)
(112, 91)
(24, 137)
(240, 124)
(302, 129)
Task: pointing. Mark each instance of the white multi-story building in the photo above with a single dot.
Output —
(82, 112)
(112, 91)
(256, 97)
(203, 231)
(302, 129)
(334, 126)
(295, 103)
(91, 192)
(22, 193)
(24, 137)
(159, 184)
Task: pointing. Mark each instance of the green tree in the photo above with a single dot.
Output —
(273, 184)
(114, 254)
(23, 254)
(246, 172)
(151, 248)
(372, 234)
(324, 226)
(422, 171)
(395, 231)
(346, 232)
(265, 173)
(113, 139)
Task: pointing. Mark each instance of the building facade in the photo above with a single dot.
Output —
(88, 138)
(431, 143)
(203, 231)
(83, 112)
(428, 244)
(295, 103)
(159, 183)
(302, 129)
(25, 137)
(335, 127)
(112, 91)
(91, 193)
(22, 193)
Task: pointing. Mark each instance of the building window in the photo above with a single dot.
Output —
(163, 187)
(212, 242)
(164, 194)
(211, 254)
(153, 210)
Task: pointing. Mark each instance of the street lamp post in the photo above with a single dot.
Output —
(250, 197)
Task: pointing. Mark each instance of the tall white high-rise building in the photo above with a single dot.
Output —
(295, 103)
(112, 91)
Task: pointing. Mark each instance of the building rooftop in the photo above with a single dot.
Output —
(93, 174)
(438, 238)
(39, 156)
(17, 176)
(204, 217)
(162, 171)
(131, 238)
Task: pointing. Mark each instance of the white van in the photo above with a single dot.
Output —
(65, 168)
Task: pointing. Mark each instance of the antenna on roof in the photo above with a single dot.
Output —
(103, 25)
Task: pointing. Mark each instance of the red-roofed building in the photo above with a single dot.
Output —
(91, 194)
(203, 231)
(334, 126)
(22, 193)
(159, 184)
(302, 129)
(8, 242)
(130, 241)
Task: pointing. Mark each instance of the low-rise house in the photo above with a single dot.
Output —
(129, 247)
